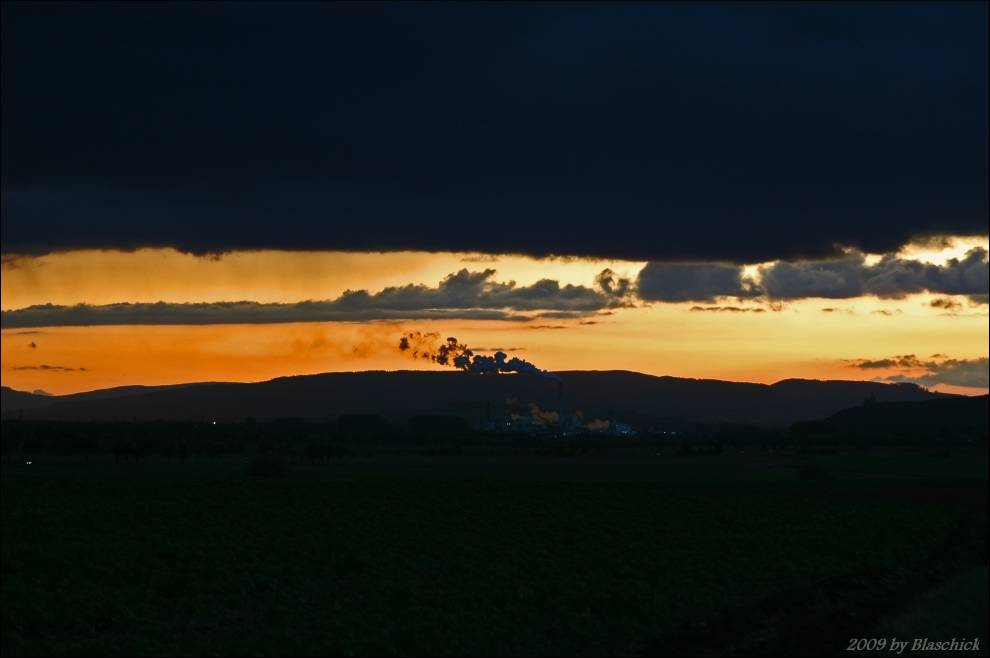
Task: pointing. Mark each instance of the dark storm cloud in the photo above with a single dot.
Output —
(679, 131)
(460, 295)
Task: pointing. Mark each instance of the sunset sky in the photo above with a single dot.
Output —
(203, 193)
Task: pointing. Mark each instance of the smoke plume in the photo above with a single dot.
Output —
(541, 417)
(421, 345)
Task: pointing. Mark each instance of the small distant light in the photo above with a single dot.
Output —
(28, 463)
(214, 422)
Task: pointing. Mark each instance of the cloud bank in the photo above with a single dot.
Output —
(938, 370)
(460, 295)
(477, 295)
(693, 282)
(891, 277)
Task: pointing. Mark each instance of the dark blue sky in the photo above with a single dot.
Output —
(678, 131)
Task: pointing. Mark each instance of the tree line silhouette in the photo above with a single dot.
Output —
(324, 442)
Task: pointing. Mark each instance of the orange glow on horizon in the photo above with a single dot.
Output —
(152, 275)
(797, 342)
(811, 338)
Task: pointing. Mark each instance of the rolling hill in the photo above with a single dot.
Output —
(953, 414)
(632, 397)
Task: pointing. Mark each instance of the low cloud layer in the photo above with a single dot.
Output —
(461, 295)
(728, 309)
(891, 277)
(693, 282)
(946, 304)
(49, 368)
(931, 372)
(900, 361)
(469, 290)
(477, 295)
(973, 372)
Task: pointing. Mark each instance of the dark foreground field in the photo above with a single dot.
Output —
(351, 558)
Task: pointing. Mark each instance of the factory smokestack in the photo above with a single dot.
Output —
(453, 353)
